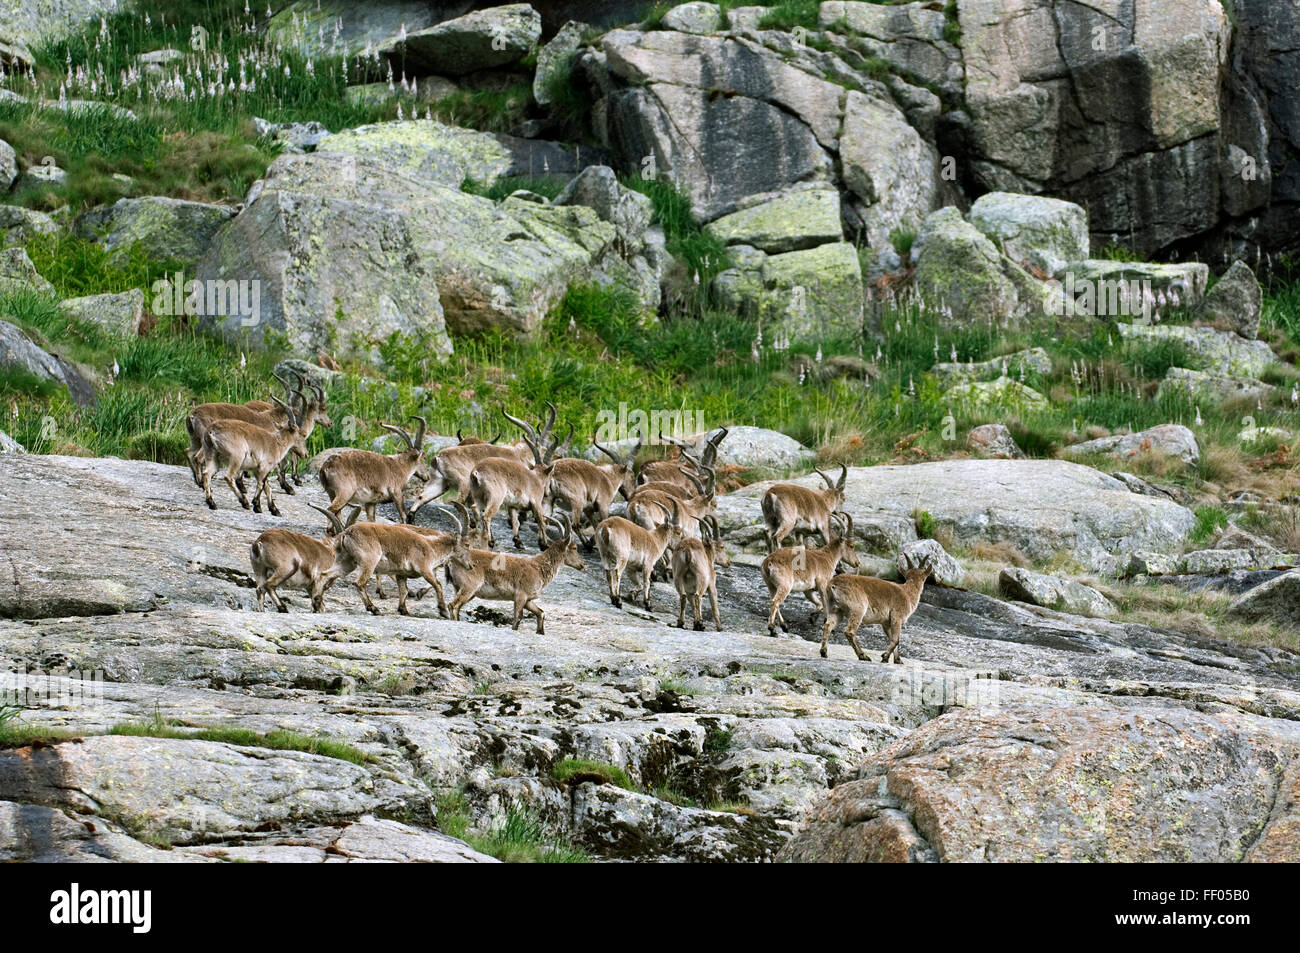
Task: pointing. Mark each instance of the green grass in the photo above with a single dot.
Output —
(790, 14)
(278, 740)
(925, 524)
(1209, 520)
(579, 770)
(549, 186)
(717, 739)
(521, 837)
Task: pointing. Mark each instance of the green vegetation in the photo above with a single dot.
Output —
(790, 14)
(1209, 520)
(717, 739)
(578, 770)
(925, 524)
(521, 838)
(17, 733)
(278, 740)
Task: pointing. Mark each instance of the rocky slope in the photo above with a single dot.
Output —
(1011, 732)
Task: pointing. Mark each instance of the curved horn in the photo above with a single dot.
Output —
(631, 457)
(464, 513)
(550, 423)
(844, 475)
(830, 484)
(419, 433)
(711, 448)
(606, 451)
(699, 487)
(410, 444)
(555, 446)
(495, 439)
(529, 433)
(293, 418)
(336, 525)
(713, 526)
(451, 514)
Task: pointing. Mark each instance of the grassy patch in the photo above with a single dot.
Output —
(577, 770)
(278, 740)
(521, 838)
(17, 733)
(1209, 520)
(717, 739)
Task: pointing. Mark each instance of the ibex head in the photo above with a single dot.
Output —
(413, 455)
(624, 467)
(835, 489)
(842, 525)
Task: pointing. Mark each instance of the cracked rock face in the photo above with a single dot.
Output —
(729, 739)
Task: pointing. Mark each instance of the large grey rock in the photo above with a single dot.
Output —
(555, 60)
(24, 26)
(292, 136)
(928, 553)
(909, 36)
(121, 313)
(960, 270)
(1032, 229)
(9, 445)
(1219, 352)
(663, 115)
(1278, 599)
(695, 17)
(1143, 166)
(1180, 284)
(1053, 592)
(1140, 785)
(790, 221)
(1205, 385)
(20, 225)
(8, 165)
(891, 171)
(1021, 502)
(19, 273)
(19, 353)
(1003, 393)
(695, 719)
(1235, 302)
(483, 39)
(812, 293)
(1017, 364)
(164, 228)
(310, 25)
(993, 440)
(1172, 440)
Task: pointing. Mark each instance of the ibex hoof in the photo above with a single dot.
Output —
(823, 653)
(616, 602)
(275, 511)
(211, 505)
(288, 489)
(519, 544)
(402, 610)
(771, 631)
(373, 610)
(699, 626)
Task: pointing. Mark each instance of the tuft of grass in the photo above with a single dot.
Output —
(1209, 520)
(521, 837)
(790, 14)
(925, 524)
(903, 237)
(278, 740)
(717, 739)
(548, 186)
(577, 770)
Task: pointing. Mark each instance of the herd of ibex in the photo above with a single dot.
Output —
(670, 528)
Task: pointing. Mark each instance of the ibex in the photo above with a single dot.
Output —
(264, 414)
(392, 549)
(236, 446)
(281, 557)
(452, 466)
(694, 573)
(688, 462)
(650, 501)
(501, 482)
(516, 579)
(626, 547)
(806, 570)
(788, 507)
(365, 479)
(874, 601)
(587, 490)
(313, 413)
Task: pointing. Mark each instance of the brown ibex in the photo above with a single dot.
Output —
(393, 549)
(363, 478)
(694, 573)
(237, 446)
(650, 501)
(281, 557)
(688, 461)
(626, 547)
(264, 414)
(874, 601)
(499, 482)
(452, 466)
(520, 580)
(788, 507)
(587, 490)
(803, 569)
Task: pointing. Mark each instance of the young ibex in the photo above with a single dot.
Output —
(501, 482)
(237, 446)
(688, 461)
(788, 507)
(587, 490)
(393, 549)
(806, 570)
(625, 546)
(365, 479)
(517, 579)
(874, 601)
(264, 414)
(281, 557)
(694, 573)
